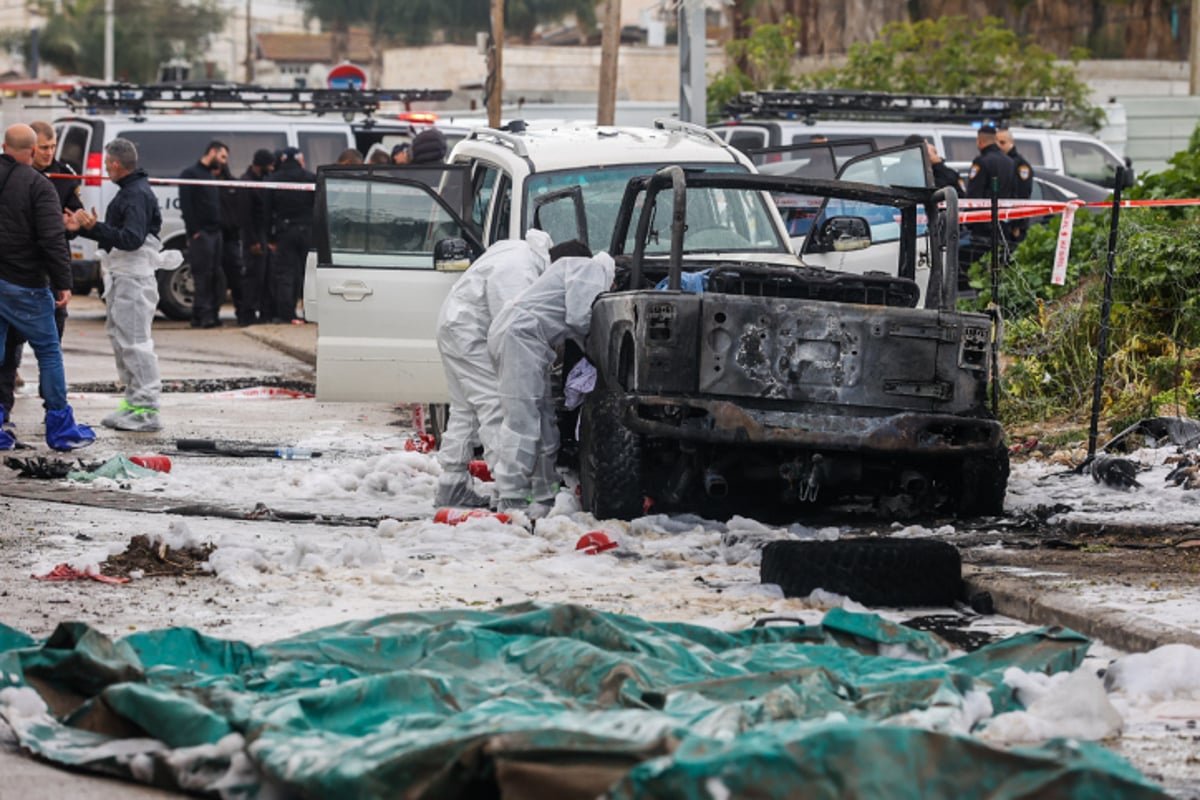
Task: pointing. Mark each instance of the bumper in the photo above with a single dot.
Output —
(725, 422)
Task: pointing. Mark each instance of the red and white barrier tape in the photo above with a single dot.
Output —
(224, 184)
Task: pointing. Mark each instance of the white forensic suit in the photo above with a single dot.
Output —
(131, 294)
(523, 342)
(500, 274)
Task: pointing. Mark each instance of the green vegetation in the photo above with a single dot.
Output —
(1051, 332)
(949, 55)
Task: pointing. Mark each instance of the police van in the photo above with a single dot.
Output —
(776, 119)
(170, 134)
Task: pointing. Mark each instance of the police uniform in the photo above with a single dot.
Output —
(992, 163)
(1024, 174)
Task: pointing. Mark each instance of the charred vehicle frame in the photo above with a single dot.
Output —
(788, 384)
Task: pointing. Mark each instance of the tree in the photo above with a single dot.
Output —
(957, 56)
(146, 34)
(949, 55)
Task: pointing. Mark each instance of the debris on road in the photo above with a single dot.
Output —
(144, 558)
(1114, 471)
(65, 572)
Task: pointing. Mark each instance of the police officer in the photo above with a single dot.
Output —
(1004, 140)
(991, 163)
(291, 214)
(943, 174)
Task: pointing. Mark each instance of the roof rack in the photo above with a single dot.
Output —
(138, 99)
(874, 105)
(689, 128)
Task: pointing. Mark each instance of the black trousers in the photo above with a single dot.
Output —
(287, 263)
(204, 256)
(255, 298)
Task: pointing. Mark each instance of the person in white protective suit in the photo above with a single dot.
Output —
(130, 254)
(499, 275)
(523, 341)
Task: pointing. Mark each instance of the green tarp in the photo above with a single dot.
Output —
(534, 701)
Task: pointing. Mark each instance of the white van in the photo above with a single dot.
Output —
(167, 143)
(1077, 155)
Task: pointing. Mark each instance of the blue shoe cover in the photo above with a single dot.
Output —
(7, 440)
(63, 433)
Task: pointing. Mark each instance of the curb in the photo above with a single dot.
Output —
(1030, 602)
(305, 352)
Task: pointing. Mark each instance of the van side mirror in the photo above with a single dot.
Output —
(1130, 178)
(451, 255)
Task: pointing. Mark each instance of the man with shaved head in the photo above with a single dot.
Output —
(35, 277)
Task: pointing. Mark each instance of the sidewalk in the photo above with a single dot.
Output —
(297, 341)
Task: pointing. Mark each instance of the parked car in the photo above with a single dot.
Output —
(787, 385)
(1077, 155)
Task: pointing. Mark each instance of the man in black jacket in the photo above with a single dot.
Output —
(201, 209)
(35, 276)
(291, 214)
(68, 194)
(231, 245)
(991, 163)
(1024, 188)
(255, 235)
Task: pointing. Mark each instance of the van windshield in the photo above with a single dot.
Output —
(601, 190)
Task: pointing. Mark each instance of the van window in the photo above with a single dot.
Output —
(1089, 162)
(374, 223)
(748, 138)
(959, 147)
(164, 154)
(483, 183)
(73, 146)
(1032, 150)
(320, 148)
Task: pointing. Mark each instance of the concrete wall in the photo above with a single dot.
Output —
(541, 74)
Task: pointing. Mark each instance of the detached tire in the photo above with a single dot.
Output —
(875, 572)
(610, 460)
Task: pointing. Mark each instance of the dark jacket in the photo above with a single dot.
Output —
(992, 163)
(132, 215)
(230, 206)
(67, 188)
(945, 175)
(200, 205)
(33, 241)
(252, 210)
(289, 208)
(1024, 174)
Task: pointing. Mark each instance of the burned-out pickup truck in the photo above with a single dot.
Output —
(732, 374)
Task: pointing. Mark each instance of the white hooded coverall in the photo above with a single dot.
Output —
(131, 293)
(499, 275)
(523, 342)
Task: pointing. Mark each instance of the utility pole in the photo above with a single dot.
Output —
(249, 43)
(1194, 50)
(108, 41)
(610, 46)
(495, 82)
(692, 80)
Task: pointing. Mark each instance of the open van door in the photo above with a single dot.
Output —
(390, 242)
(904, 166)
